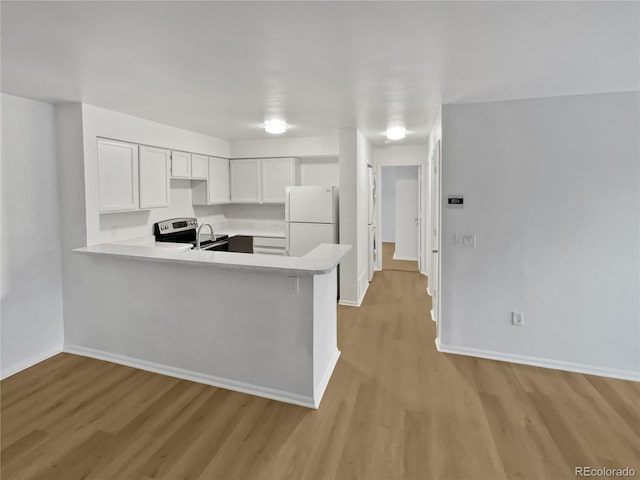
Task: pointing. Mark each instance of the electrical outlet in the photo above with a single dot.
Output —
(114, 231)
(517, 319)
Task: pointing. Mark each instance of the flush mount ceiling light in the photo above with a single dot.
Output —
(275, 127)
(396, 133)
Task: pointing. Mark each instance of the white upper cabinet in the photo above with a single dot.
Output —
(246, 185)
(154, 177)
(199, 167)
(218, 191)
(118, 176)
(214, 191)
(180, 165)
(277, 174)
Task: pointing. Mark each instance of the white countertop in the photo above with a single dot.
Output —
(319, 260)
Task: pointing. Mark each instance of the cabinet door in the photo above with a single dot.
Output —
(245, 181)
(154, 177)
(277, 174)
(180, 165)
(218, 181)
(117, 176)
(199, 166)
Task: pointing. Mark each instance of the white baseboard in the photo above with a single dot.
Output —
(251, 389)
(351, 303)
(28, 362)
(540, 362)
(326, 376)
(409, 259)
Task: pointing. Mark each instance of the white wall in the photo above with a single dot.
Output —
(406, 211)
(286, 146)
(387, 204)
(355, 153)
(31, 312)
(320, 171)
(98, 122)
(551, 190)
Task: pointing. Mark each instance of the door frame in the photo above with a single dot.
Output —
(421, 213)
(435, 236)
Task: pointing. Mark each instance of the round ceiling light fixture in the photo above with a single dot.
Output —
(275, 127)
(396, 133)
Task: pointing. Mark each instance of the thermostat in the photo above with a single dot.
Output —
(455, 201)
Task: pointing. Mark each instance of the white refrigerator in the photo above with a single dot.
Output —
(311, 216)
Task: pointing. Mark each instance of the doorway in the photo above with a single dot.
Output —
(400, 231)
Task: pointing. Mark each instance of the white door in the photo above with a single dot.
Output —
(154, 165)
(218, 181)
(304, 237)
(199, 167)
(310, 204)
(434, 275)
(245, 181)
(406, 215)
(117, 176)
(277, 174)
(180, 165)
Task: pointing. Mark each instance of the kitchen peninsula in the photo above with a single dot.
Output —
(260, 324)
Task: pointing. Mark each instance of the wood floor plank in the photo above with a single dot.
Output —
(395, 408)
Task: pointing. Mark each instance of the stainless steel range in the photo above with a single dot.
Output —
(185, 230)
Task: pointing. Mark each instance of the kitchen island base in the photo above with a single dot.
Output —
(267, 333)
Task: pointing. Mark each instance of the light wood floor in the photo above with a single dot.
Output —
(388, 263)
(394, 409)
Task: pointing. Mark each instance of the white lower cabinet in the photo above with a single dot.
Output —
(117, 176)
(215, 190)
(154, 166)
(269, 245)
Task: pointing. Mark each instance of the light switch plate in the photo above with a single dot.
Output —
(465, 240)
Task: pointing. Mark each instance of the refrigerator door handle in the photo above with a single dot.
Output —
(287, 195)
(287, 237)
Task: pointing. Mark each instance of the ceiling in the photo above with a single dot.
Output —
(222, 68)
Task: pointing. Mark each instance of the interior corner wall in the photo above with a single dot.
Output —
(364, 158)
(551, 189)
(31, 311)
(388, 204)
(348, 213)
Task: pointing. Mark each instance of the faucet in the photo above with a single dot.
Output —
(213, 236)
